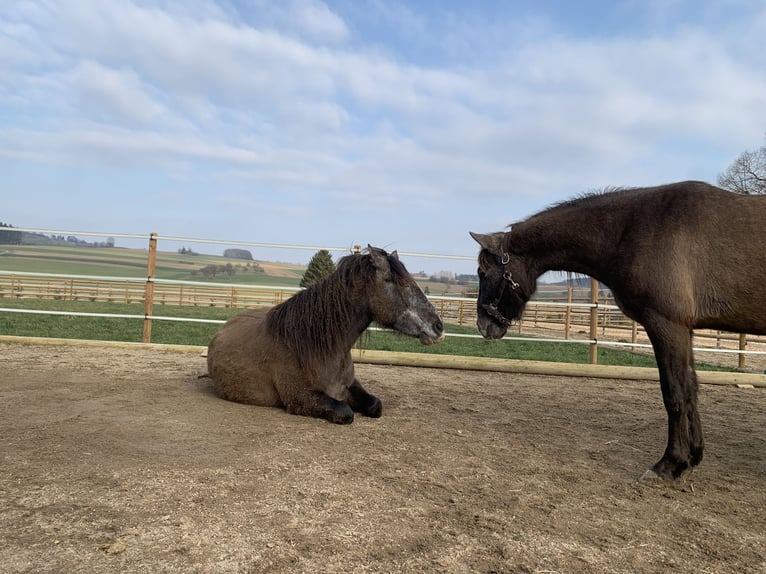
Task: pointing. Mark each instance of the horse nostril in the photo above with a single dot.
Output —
(438, 326)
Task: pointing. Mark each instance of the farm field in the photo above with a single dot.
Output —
(125, 460)
(122, 262)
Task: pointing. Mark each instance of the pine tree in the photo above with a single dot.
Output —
(320, 266)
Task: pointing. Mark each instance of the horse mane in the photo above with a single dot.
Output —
(315, 322)
(592, 196)
(601, 196)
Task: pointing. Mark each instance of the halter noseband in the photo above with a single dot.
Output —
(491, 308)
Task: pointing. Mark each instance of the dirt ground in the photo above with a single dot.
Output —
(124, 460)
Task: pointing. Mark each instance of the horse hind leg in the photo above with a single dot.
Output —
(696, 438)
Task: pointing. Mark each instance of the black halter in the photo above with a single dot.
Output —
(491, 308)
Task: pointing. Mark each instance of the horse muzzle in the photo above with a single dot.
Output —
(434, 334)
(426, 339)
(490, 327)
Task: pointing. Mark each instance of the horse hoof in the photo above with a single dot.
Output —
(374, 410)
(651, 478)
(341, 415)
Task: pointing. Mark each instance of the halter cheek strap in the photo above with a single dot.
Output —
(507, 273)
(491, 308)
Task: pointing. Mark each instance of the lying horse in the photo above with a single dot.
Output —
(298, 354)
(676, 257)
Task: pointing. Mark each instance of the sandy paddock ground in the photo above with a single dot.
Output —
(124, 460)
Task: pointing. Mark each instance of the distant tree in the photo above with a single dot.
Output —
(209, 271)
(320, 266)
(747, 174)
(9, 237)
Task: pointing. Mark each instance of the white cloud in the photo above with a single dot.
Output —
(115, 96)
(318, 21)
(291, 99)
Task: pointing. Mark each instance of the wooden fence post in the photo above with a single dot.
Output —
(593, 354)
(568, 314)
(633, 334)
(742, 346)
(149, 288)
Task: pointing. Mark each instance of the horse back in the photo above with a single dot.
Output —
(697, 254)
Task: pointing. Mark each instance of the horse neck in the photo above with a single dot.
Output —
(568, 238)
(330, 316)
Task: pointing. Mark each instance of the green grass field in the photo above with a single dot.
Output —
(190, 333)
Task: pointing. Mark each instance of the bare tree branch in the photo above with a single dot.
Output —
(747, 175)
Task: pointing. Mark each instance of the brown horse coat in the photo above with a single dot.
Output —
(676, 257)
(297, 354)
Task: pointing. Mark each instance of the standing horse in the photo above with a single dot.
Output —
(298, 354)
(676, 257)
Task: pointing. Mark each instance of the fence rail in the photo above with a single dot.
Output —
(567, 315)
(551, 318)
(134, 291)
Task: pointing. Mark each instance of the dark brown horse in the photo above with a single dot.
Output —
(298, 354)
(676, 257)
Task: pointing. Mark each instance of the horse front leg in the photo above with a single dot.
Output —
(320, 405)
(299, 398)
(678, 380)
(363, 402)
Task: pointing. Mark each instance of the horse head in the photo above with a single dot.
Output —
(504, 285)
(397, 302)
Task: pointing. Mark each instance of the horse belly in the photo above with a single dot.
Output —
(735, 304)
(746, 322)
(240, 365)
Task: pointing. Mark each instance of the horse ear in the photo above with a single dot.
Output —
(492, 242)
(378, 257)
(394, 254)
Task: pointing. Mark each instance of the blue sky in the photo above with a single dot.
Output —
(400, 124)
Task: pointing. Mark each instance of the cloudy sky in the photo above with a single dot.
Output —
(400, 124)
